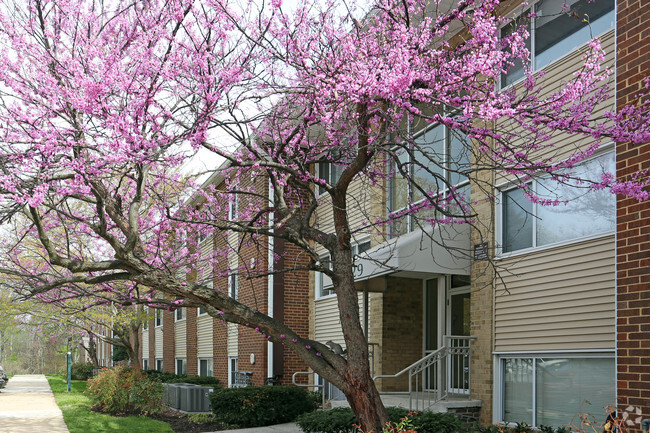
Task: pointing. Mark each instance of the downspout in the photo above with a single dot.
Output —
(269, 290)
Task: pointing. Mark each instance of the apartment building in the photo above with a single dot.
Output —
(539, 316)
(190, 341)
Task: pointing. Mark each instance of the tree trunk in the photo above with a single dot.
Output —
(359, 388)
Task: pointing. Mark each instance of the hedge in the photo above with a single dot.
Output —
(342, 420)
(256, 406)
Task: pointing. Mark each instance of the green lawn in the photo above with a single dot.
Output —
(80, 419)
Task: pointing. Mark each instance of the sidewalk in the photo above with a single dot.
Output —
(280, 428)
(27, 405)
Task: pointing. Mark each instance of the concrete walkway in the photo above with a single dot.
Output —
(27, 405)
(279, 428)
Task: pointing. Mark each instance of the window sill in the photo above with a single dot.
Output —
(531, 250)
(333, 295)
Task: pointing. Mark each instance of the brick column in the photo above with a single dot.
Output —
(191, 341)
(633, 221)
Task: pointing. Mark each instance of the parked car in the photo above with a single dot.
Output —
(3, 378)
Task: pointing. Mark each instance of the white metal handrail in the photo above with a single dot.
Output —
(438, 374)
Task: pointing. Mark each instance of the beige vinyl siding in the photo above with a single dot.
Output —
(561, 298)
(145, 343)
(556, 75)
(204, 329)
(180, 338)
(205, 267)
(158, 334)
(233, 339)
(362, 199)
(327, 321)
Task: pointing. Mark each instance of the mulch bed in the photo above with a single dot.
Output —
(180, 423)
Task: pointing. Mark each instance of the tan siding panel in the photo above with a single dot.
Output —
(556, 76)
(327, 321)
(158, 333)
(233, 339)
(558, 299)
(180, 338)
(145, 343)
(204, 336)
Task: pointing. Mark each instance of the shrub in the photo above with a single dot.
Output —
(255, 406)
(328, 421)
(123, 390)
(343, 420)
(163, 377)
(430, 422)
(81, 370)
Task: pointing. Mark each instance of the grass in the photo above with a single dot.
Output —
(80, 419)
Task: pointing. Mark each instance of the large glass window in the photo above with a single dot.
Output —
(559, 27)
(553, 390)
(581, 212)
(179, 314)
(438, 159)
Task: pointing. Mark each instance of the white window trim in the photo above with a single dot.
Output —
(233, 207)
(498, 216)
(155, 320)
(184, 364)
(498, 357)
(210, 365)
(230, 370)
(233, 292)
(530, 6)
(183, 314)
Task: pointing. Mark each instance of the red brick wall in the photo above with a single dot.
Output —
(169, 363)
(191, 341)
(295, 312)
(633, 220)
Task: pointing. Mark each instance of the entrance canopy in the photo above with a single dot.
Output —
(419, 254)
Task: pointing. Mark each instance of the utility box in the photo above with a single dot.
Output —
(187, 397)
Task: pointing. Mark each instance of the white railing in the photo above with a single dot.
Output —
(439, 375)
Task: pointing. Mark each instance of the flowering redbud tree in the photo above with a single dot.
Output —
(102, 102)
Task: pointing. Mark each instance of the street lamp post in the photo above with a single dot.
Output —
(69, 361)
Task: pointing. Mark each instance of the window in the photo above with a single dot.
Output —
(322, 280)
(233, 286)
(330, 173)
(145, 364)
(159, 365)
(233, 207)
(232, 376)
(552, 389)
(180, 314)
(556, 32)
(181, 366)
(202, 311)
(440, 156)
(159, 317)
(205, 367)
(586, 213)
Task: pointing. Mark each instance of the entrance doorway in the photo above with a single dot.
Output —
(447, 313)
